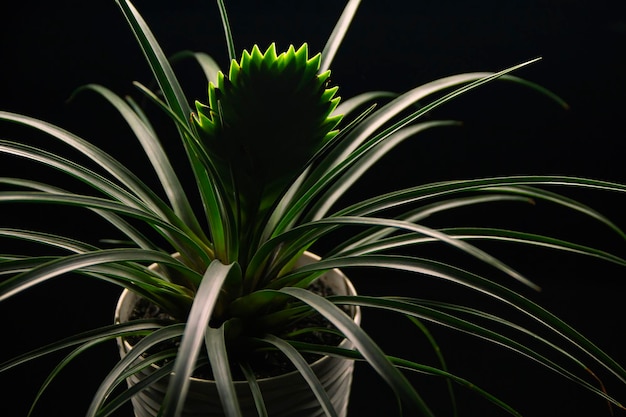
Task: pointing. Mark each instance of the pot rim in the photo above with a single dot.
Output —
(307, 257)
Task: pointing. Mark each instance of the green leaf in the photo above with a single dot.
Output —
(131, 232)
(436, 312)
(177, 102)
(404, 225)
(442, 189)
(186, 243)
(561, 200)
(406, 365)
(230, 44)
(336, 37)
(101, 158)
(89, 177)
(59, 367)
(219, 215)
(75, 262)
(215, 278)
(361, 242)
(349, 105)
(494, 290)
(440, 357)
(215, 342)
(255, 389)
(136, 327)
(533, 240)
(209, 66)
(305, 370)
(157, 60)
(163, 371)
(157, 156)
(366, 346)
(59, 242)
(330, 169)
(362, 160)
(379, 119)
(291, 195)
(115, 376)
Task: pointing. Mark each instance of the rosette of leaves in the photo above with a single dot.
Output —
(264, 121)
(271, 164)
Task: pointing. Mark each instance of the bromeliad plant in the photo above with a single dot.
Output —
(272, 152)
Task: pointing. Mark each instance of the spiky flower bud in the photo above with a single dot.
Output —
(264, 121)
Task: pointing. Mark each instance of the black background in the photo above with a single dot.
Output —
(51, 48)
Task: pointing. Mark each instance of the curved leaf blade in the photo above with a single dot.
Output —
(305, 370)
(196, 327)
(157, 60)
(215, 342)
(366, 346)
(339, 32)
(156, 154)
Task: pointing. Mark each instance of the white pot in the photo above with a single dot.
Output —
(286, 395)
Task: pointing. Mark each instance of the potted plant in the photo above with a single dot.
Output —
(231, 283)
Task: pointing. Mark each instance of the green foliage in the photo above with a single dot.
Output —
(262, 124)
(272, 153)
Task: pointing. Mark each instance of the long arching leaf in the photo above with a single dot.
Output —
(363, 161)
(209, 66)
(406, 365)
(441, 313)
(157, 156)
(499, 292)
(230, 44)
(215, 342)
(417, 215)
(305, 370)
(213, 282)
(366, 346)
(101, 158)
(334, 164)
(78, 261)
(336, 37)
(116, 374)
(136, 327)
(157, 60)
